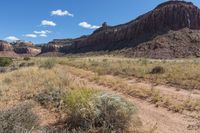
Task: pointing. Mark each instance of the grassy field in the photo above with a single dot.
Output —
(183, 73)
(45, 86)
(53, 94)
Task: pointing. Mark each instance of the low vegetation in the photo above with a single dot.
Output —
(2, 70)
(48, 64)
(88, 108)
(27, 58)
(49, 97)
(157, 70)
(18, 119)
(170, 101)
(183, 73)
(53, 90)
(55, 85)
(5, 61)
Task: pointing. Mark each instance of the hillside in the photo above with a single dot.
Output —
(183, 43)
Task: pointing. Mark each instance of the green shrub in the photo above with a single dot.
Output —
(48, 97)
(14, 68)
(30, 64)
(7, 80)
(80, 108)
(5, 61)
(19, 119)
(48, 64)
(23, 64)
(157, 70)
(3, 70)
(115, 112)
(27, 58)
(88, 109)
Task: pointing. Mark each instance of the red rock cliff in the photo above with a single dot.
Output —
(171, 15)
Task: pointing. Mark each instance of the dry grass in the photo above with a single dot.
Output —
(17, 119)
(39, 84)
(47, 84)
(171, 102)
(181, 73)
(174, 72)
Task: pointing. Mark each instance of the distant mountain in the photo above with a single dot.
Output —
(5, 46)
(168, 16)
(25, 48)
(18, 48)
(6, 49)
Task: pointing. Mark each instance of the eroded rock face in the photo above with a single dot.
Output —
(183, 43)
(50, 48)
(61, 45)
(56, 45)
(6, 49)
(20, 43)
(5, 46)
(18, 48)
(171, 15)
(25, 48)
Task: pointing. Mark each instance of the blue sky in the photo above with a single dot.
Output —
(43, 20)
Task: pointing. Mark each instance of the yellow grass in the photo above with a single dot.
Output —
(23, 84)
(172, 102)
(184, 73)
(108, 72)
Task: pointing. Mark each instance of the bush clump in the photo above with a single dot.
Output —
(27, 58)
(88, 109)
(115, 112)
(30, 64)
(5, 61)
(19, 119)
(7, 80)
(3, 70)
(23, 64)
(80, 108)
(48, 64)
(158, 70)
(49, 97)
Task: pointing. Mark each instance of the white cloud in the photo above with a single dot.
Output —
(30, 35)
(61, 13)
(11, 38)
(88, 26)
(43, 33)
(48, 23)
